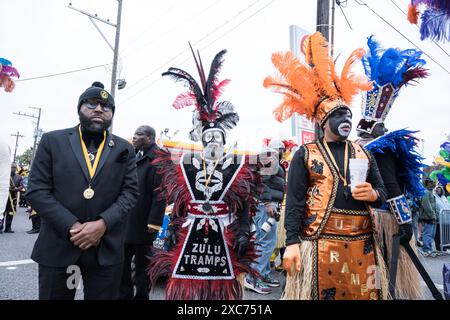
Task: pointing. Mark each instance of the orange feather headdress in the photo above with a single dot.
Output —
(314, 89)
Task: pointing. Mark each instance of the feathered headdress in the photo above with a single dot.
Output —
(6, 72)
(435, 18)
(388, 69)
(442, 176)
(209, 113)
(314, 89)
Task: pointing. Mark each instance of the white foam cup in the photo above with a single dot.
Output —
(358, 171)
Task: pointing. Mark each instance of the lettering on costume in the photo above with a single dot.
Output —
(204, 255)
(354, 279)
(365, 224)
(354, 227)
(345, 268)
(334, 256)
(364, 289)
(323, 243)
(339, 224)
(373, 280)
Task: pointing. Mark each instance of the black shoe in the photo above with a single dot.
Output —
(9, 231)
(33, 231)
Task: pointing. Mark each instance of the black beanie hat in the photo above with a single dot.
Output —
(97, 91)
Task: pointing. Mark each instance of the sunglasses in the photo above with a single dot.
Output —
(92, 104)
(209, 136)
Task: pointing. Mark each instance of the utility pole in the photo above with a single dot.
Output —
(323, 18)
(116, 49)
(116, 43)
(323, 26)
(17, 135)
(36, 132)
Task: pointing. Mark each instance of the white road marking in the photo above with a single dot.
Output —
(15, 263)
(11, 268)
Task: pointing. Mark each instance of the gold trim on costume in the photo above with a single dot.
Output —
(346, 238)
(351, 212)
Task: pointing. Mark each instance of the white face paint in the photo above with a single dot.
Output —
(213, 151)
(213, 144)
(344, 129)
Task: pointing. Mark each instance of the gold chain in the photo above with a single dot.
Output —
(208, 180)
(343, 178)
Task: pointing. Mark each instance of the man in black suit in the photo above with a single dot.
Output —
(145, 219)
(83, 183)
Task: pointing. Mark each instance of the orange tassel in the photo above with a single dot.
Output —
(413, 14)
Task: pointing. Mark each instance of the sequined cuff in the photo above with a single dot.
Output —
(400, 208)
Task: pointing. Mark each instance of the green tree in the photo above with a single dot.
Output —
(25, 158)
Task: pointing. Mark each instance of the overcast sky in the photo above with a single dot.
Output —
(46, 37)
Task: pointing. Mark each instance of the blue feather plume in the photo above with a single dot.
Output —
(401, 144)
(390, 65)
(435, 25)
(5, 62)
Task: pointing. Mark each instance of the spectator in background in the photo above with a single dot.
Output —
(428, 217)
(15, 186)
(145, 220)
(267, 215)
(414, 205)
(441, 204)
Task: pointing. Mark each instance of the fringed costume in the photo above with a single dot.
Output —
(212, 202)
(395, 152)
(340, 257)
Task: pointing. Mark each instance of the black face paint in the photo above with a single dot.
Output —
(340, 123)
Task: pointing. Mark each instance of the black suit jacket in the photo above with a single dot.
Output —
(150, 208)
(59, 176)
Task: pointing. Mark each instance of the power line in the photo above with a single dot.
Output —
(362, 3)
(174, 28)
(154, 22)
(204, 47)
(62, 73)
(341, 5)
(198, 41)
(419, 28)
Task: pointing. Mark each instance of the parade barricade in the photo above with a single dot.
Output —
(444, 222)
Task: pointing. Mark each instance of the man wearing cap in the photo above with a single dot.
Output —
(83, 183)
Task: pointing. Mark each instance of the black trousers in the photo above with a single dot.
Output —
(99, 282)
(141, 252)
(36, 222)
(8, 220)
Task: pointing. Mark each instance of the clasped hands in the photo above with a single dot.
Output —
(88, 234)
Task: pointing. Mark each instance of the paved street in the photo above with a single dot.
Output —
(18, 274)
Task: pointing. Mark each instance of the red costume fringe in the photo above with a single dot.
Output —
(162, 263)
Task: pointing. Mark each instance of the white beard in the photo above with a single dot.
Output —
(213, 151)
